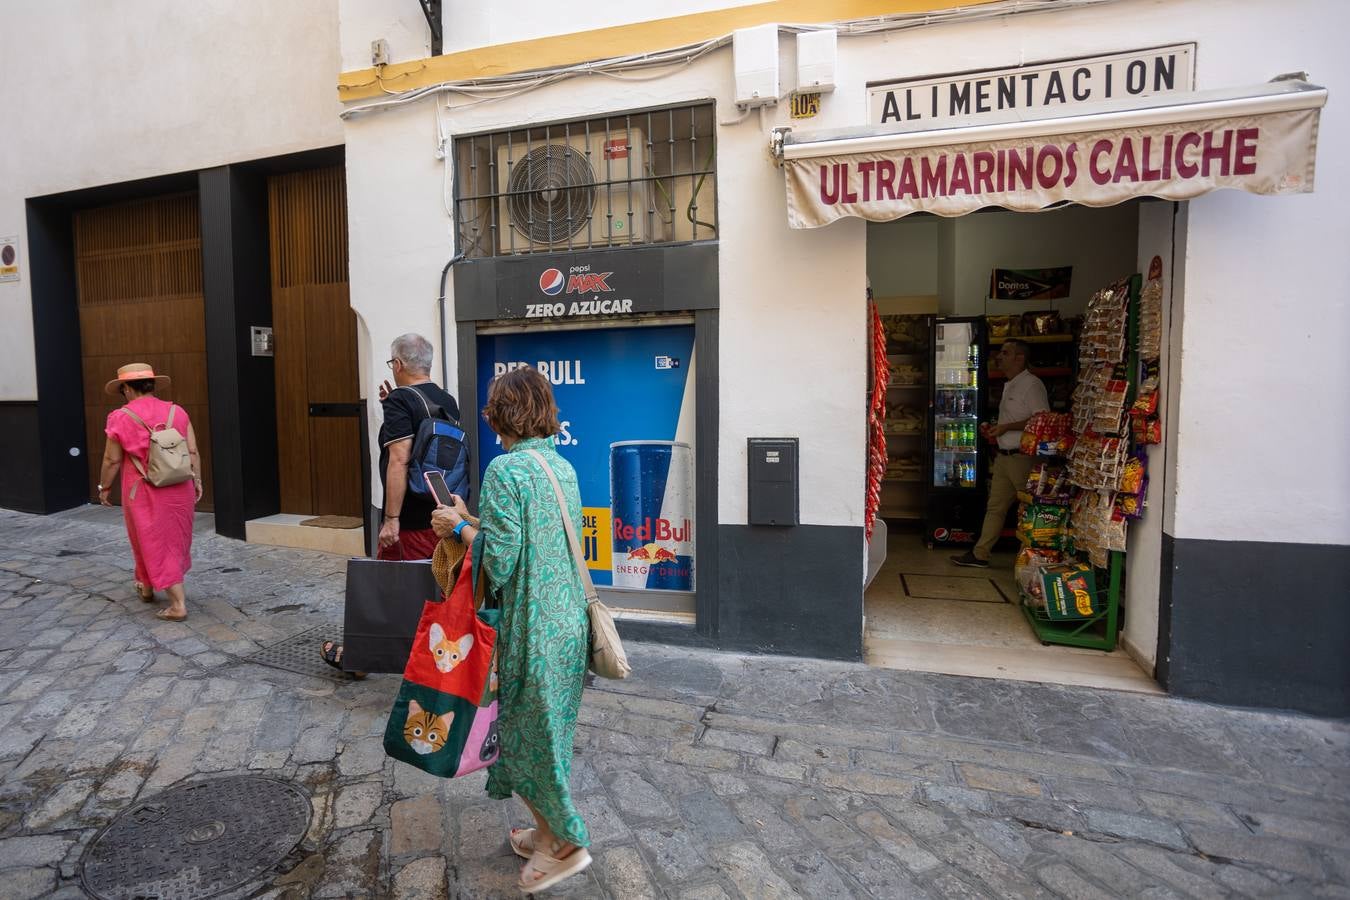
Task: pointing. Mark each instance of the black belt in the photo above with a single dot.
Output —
(1002, 452)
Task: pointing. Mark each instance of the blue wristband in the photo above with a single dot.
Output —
(464, 523)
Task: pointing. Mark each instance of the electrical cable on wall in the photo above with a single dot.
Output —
(678, 57)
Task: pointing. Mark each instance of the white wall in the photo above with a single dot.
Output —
(110, 92)
(400, 239)
(905, 257)
(472, 23)
(401, 24)
(902, 257)
(1098, 243)
(468, 24)
(1143, 561)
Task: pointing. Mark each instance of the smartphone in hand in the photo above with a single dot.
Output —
(439, 489)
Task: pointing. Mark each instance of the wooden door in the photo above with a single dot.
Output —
(318, 398)
(139, 281)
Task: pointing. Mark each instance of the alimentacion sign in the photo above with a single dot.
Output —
(938, 102)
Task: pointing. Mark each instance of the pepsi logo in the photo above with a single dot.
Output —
(551, 282)
(940, 534)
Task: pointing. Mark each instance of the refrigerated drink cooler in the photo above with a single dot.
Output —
(957, 464)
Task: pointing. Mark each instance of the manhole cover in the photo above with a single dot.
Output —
(198, 840)
(300, 653)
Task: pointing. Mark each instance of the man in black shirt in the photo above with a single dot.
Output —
(405, 531)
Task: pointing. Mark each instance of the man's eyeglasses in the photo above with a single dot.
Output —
(390, 362)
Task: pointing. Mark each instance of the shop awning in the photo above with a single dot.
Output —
(1174, 146)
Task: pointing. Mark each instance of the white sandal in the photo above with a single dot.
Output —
(522, 841)
(553, 870)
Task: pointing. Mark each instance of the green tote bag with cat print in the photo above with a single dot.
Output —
(444, 720)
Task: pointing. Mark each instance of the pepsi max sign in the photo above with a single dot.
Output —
(582, 284)
(579, 281)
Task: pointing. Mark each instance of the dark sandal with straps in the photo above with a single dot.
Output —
(331, 653)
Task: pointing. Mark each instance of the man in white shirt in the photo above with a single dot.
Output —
(1023, 396)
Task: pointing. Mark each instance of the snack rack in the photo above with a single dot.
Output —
(906, 421)
(1099, 632)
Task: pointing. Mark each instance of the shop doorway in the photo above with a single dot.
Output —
(922, 611)
(139, 286)
(317, 392)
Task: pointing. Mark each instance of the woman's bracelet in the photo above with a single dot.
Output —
(459, 530)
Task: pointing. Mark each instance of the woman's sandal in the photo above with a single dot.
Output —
(552, 870)
(522, 841)
(147, 594)
(168, 617)
(331, 653)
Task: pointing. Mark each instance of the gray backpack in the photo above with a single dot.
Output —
(168, 460)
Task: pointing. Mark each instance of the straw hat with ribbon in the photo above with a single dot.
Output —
(135, 372)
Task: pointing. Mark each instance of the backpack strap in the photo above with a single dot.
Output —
(434, 410)
(135, 460)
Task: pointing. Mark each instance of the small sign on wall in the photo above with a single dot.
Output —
(1030, 284)
(805, 106)
(262, 340)
(9, 258)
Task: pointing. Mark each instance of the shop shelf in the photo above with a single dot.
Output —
(907, 479)
(1096, 633)
(1035, 339)
(907, 387)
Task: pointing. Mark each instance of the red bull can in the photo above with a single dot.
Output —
(651, 495)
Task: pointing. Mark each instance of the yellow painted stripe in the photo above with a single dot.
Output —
(619, 40)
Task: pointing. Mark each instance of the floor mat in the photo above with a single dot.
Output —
(333, 522)
(976, 588)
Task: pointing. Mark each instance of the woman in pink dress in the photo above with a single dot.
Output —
(159, 519)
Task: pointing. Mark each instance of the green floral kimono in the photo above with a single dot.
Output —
(542, 641)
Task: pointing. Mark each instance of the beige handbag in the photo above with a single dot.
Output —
(607, 657)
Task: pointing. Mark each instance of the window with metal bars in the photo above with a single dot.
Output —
(629, 179)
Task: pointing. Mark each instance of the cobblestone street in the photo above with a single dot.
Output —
(704, 776)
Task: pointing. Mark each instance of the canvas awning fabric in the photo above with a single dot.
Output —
(1173, 146)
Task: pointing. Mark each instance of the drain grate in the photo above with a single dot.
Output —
(300, 653)
(198, 840)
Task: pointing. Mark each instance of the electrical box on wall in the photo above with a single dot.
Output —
(754, 53)
(772, 482)
(817, 53)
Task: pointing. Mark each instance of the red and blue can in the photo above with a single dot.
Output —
(651, 491)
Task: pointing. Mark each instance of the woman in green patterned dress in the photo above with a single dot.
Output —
(543, 639)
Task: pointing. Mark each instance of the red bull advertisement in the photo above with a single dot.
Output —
(626, 410)
(652, 514)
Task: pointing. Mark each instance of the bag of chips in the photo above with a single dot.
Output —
(1043, 525)
(1027, 572)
